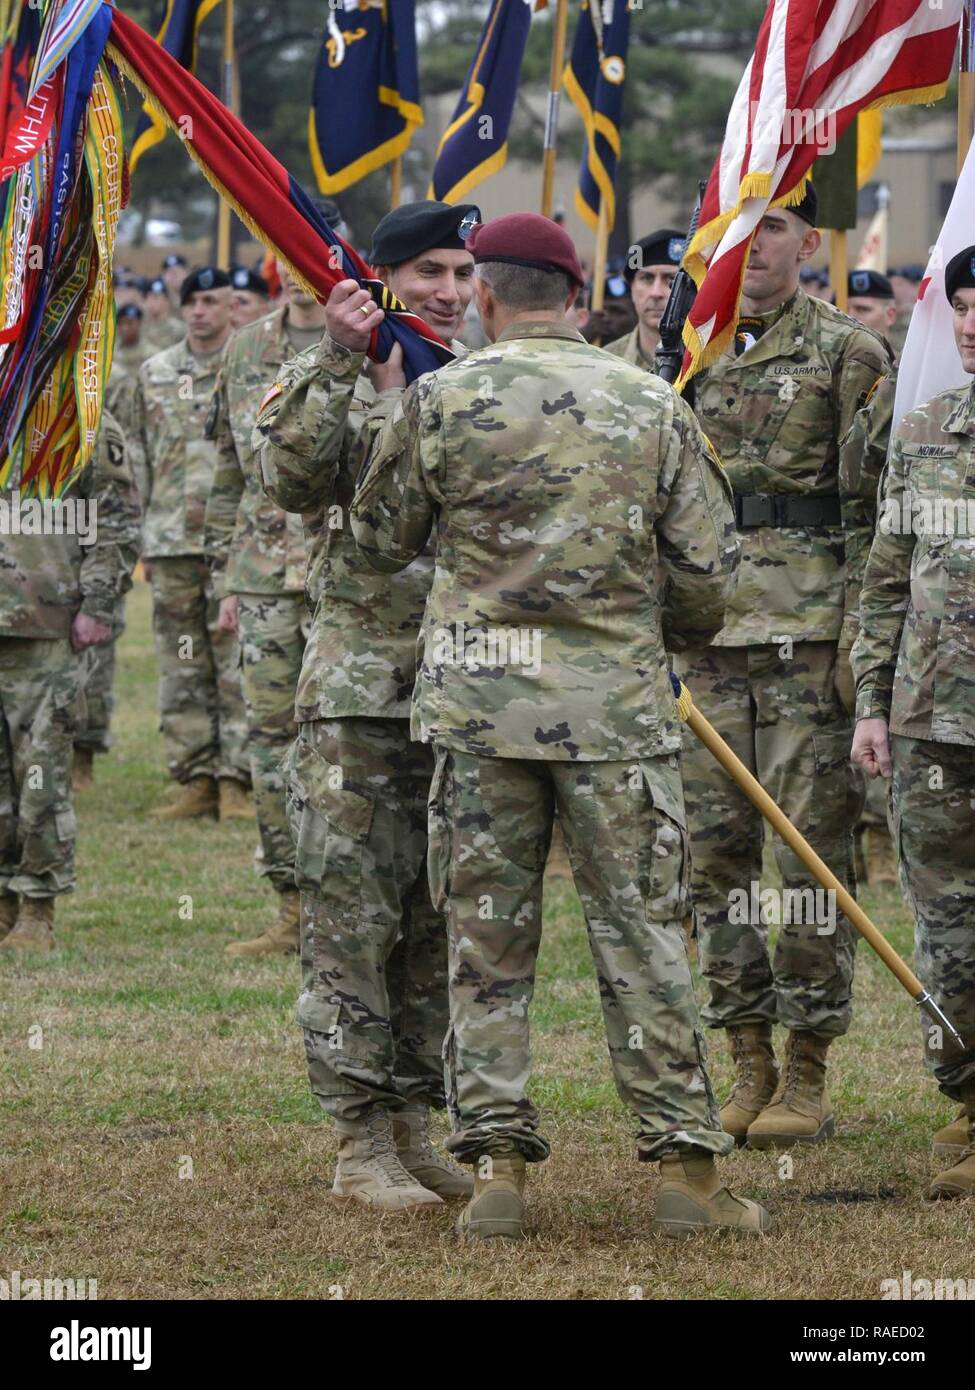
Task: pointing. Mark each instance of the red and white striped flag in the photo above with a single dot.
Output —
(930, 362)
(817, 64)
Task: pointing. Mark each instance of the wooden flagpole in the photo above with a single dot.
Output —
(966, 85)
(396, 183)
(231, 99)
(559, 27)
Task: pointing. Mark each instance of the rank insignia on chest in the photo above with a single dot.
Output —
(788, 389)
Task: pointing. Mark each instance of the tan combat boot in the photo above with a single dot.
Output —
(959, 1179)
(9, 903)
(83, 769)
(411, 1130)
(497, 1208)
(692, 1198)
(195, 798)
(799, 1112)
(35, 927)
(951, 1141)
(756, 1078)
(235, 804)
(284, 938)
(878, 853)
(369, 1170)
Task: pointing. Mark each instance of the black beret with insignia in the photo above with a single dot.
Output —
(243, 279)
(172, 260)
(665, 247)
(408, 231)
(868, 284)
(130, 311)
(960, 272)
(205, 277)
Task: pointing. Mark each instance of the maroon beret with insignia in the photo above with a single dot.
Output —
(526, 238)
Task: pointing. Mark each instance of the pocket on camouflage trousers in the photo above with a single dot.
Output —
(332, 829)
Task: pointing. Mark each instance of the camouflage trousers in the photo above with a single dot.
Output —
(201, 706)
(273, 632)
(41, 707)
(374, 951)
(490, 829)
(934, 829)
(782, 717)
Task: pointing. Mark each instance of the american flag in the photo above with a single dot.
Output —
(817, 64)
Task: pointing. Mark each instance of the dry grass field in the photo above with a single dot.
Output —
(162, 1138)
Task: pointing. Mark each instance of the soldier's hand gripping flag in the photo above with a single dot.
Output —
(179, 34)
(594, 79)
(817, 64)
(475, 144)
(366, 99)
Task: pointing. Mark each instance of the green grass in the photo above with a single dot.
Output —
(157, 1049)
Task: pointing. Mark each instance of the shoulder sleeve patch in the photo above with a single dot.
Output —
(270, 395)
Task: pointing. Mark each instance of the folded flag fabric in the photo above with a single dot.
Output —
(366, 98)
(62, 186)
(179, 34)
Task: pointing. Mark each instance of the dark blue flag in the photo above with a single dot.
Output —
(179, 36)
(475, 144)
(366, 100)
(594, 81)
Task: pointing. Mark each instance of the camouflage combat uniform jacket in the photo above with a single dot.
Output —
(314, 433)
(556, 472)
(776, 415)
(120, 400)
(253, 546)
(628, 347)
(915, 657)
(45, 578)
(172, 401)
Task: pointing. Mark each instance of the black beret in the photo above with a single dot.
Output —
(243, 279)
(868, 284)
(908, 272)
(205, 277)
(171, 260)
(665, 247)
(809, 207)
(157, 287)
(960, 272)
(408, 231)
(130, 311)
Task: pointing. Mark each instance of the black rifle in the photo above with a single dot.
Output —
(670, 352)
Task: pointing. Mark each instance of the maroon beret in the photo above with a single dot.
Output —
(526, 238)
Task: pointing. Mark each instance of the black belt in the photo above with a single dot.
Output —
(785, 509)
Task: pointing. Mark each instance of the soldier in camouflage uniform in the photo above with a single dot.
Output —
(164, 323)
(542, 681)
(776, 683)
(257, 558)
(94, 736)
(914, 662)
(203, 721)
(651, 266)
(870, 300)
(374, 1003)
(61, 589)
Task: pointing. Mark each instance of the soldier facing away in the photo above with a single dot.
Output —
(61, 590)
(776, 683)
(554, 474)
(203, 721)
(915, 667)
(257, 556)
(374, 1003)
